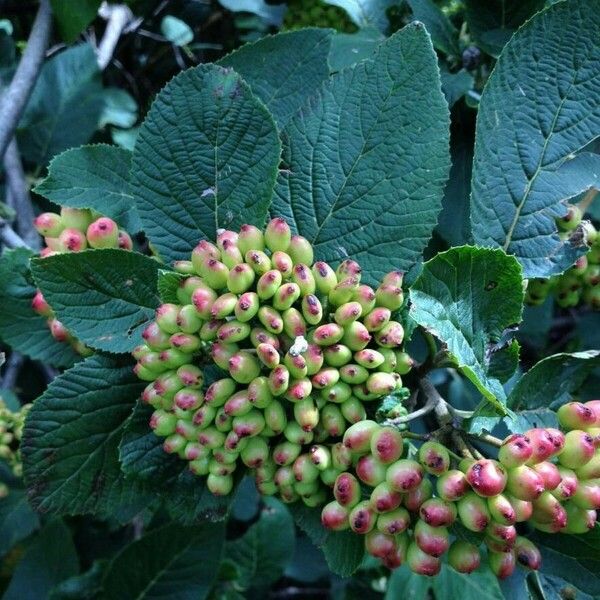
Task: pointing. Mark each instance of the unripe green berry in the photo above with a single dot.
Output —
(278, 235)
(283, 263)
(300, 250)
(250, 238)
(268, 284)
(271, 319)
(259, 261)
(275, 417)
(353, 410)
(473, 512)
(294, 324)
(325, 278)
(362, 518)
(240, 278)
(337, 355)
(421, 563)
(335, 517)
(502, 564)
(464, 557)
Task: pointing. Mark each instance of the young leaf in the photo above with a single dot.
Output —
(553, 380)
(468, 297)
(71, 438)
(20, 327)
(49, 559)
(106, 297)
(368, 158)
(574, 558)
(17, 520)
(284, 69)
(366, 13)
(537, 110)
(94, 177)
(343, 550)
(261, 555)
(168, 282)
(206, 157)
(169, 562)
(443, 34)
(65, 106)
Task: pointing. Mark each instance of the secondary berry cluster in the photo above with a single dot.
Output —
(404, 506)
(580, 283)
(74, 230)
(11, 431)
(306, 350)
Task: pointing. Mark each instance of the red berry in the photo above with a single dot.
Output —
(487, 477)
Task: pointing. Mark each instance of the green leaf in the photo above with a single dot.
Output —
(169, 562)
(518, 422)
(65, 106)
(349, 48)
(468, 297)
(106, 297)
(344, 551)
(454, 223)
(168, 283)
(480, 585)
(263, 552)
(201, 165)
(49, 559)
(492, 23)
(73, 17)
(178, 32)
(556, 587)
(95, 177)
(534, 115)
(20, 327)
(271, 14)
(17, 520)
(120, 109)
(284, 69)
(574, 558)
(185, 495)
(443, 34)
(86, 586)
(403, 583)
(504, 362)
(553, 380)
(456, 85)
(368, 158)
(71, 438)
(366, 13)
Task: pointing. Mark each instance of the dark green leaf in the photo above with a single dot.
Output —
(368, 158)
(553, 380)
(71, 439)
(20, 327)
(247, 500)
(94, 177)
(17, 519)
(65, 106)
(263, 552)
(168, 283)
(403, 583)
(574, 558)
(493, 22)
(443, 34)
(344, 551)
(479, 585)
(504, 362)
(349, 48)
(537, 110)
(81, 587)
(284, 69)
(106, 297)
(49, 559)
(73, 17)
(456, 85)
(366, 13)
(468, 298)
(556, 587)
(169, 562)
(201, 165)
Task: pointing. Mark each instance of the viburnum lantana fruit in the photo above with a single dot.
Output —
(581, 282)
(11, 431)
(74, 230)
(309, 354)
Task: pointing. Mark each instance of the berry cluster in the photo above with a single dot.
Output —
(306, 349)
(74, 230)
(11, 431)
(579, 283)
(316, 13)
(406, 514)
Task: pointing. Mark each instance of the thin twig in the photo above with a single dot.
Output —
(118, 16)
(20, 200)
(487, 439)
(460, 444)
(428, 407)
(13, 101)
(9, 237)
(11, 371)
(411, 435)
